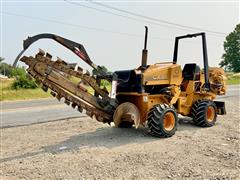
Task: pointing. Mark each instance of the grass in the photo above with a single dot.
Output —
(8, 93)
(233, 78)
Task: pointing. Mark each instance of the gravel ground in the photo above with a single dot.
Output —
(82, 148)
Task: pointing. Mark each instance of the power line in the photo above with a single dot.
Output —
(123, 16)
(70, 24)
(140, 20)
(81, 26)
(169, 40)
(155, 19)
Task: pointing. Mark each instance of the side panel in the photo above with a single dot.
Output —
(163, 74)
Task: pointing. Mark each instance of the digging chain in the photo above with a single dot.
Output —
(52, 75)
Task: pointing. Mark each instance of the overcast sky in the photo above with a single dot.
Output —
(115, 41)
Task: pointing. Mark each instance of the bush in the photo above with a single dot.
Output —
(22, 79)
(24, 82)
(18, 72)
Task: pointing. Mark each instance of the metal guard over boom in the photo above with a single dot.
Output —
(75, 47)
(51, 74)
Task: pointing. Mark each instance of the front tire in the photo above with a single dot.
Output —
(204, 113)
(162, 121)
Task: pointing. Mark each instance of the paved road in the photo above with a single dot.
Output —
(232, 91)
(36, 111)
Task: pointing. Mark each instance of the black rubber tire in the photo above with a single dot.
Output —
(199, 113)
(125, 124)
(155, 120)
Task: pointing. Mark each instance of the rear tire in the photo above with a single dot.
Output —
(204, 113)
(162, 121)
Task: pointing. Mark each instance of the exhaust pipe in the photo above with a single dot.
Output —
(145, 51)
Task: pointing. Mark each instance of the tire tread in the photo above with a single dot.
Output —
(154, 123)
(198, 113)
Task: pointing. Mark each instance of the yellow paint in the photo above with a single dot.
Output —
(184, 92)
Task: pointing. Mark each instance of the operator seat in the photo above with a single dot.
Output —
(191, 72)
(128, 81)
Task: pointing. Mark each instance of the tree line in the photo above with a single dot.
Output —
(231, 56)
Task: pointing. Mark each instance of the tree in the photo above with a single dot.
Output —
(103, 82)
(231, 57)
(94, 71)
(1, 59)
(5, 69)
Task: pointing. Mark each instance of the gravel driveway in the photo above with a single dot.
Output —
(82, 148)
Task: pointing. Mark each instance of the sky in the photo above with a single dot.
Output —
(115, 41)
